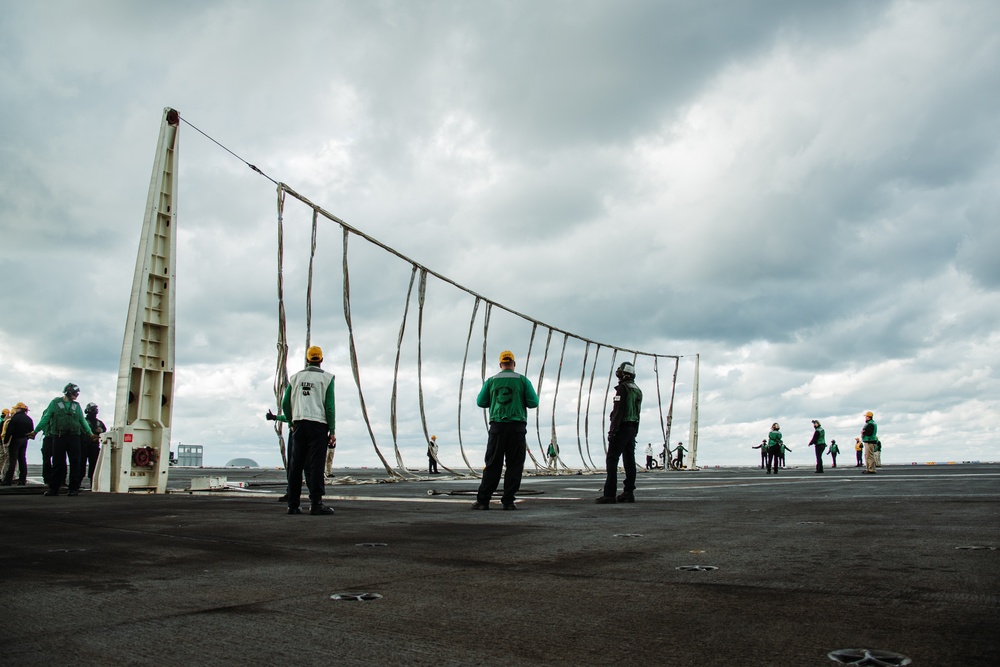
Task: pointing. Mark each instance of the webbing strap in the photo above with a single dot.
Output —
(461, 385)
(281, 369)
(354, 361)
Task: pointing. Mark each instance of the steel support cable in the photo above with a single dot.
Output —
(284, 187)
(604, 412)
(541, 379)
(329, 216)
(281, 368)
(590, 392)
(353, 230)
(354, 360)
(395, 373)
(254, 167)
(461, 385)
(421, 300)
(281, 371)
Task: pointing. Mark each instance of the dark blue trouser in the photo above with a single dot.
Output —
(621, 445)
(773, 456)
(819, 457)
(46, 458)
(308, 453)
(17, 456)
(64, 446)
(505, 443)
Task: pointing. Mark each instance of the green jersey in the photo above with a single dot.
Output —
(63, 417)
(870, 432)
(774, 440)
(508, 395)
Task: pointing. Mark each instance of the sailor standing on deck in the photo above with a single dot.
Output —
(774, 446)
(621, 436)
(63, 420)
(869, 436)
(308, 405)
(819, 442)
(508, 395)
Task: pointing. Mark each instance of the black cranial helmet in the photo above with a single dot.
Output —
(71, 389)
(91, 409)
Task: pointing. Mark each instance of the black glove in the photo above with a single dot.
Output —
(270, 416)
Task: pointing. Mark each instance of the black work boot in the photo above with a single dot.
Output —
(626, 498)
(320, 508)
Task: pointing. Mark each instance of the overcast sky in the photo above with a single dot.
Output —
(805, 194)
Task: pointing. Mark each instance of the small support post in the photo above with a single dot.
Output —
(693, 436)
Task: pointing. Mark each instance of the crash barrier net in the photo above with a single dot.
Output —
(545, 340)
(551, 418)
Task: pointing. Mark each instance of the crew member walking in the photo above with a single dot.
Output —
(834, 450)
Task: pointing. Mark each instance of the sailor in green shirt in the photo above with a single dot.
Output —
(869, 436)
(508, 395)
(774, 446)
(819, 442)
(63, 420)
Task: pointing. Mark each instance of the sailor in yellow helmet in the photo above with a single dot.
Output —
(14, 435)
(508, 395)
(432, 455)
(308, 405)
(869, 436)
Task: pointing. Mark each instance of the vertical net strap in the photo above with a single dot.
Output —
(541, 379)
(354, 360)
(659, 400)
(281, 369)
(579, 408)
(604, 413)
(527, 361)
(309, 286)
(421, 300)
(555, 397)
(486, 334)
(670, 409)
(461, 386)
(395, 375)
(590, 392)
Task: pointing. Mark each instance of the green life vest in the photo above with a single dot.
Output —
(65, 418)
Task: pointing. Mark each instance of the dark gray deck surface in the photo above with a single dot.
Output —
(807, 564)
